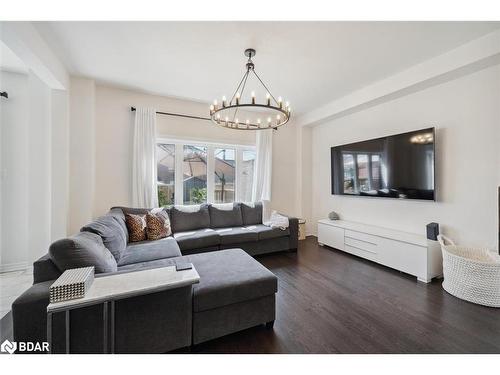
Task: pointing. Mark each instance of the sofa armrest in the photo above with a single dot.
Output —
(44, 270)
(29, 313)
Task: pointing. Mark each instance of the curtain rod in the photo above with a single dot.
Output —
(177, 115)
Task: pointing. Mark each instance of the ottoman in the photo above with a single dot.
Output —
(235, 292)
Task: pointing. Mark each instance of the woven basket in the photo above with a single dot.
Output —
(471, 274)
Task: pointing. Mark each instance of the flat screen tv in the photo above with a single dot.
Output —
(397, 166)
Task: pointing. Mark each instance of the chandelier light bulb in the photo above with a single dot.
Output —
(211, 108)
(253, 97)
(237, 98)
(268, 99)
(224, 101)
(280, 102)
(269, 120)
(287, 104)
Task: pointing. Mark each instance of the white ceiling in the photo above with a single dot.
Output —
(308, 63)
(10, 62)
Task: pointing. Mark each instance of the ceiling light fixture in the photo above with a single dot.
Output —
(275, 111)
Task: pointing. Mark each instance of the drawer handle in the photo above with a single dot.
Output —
(368, 251)
(357, 239)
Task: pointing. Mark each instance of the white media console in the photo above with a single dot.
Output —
(406, 252)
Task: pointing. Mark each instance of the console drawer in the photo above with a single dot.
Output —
(363, 253)
(374, 240)
(363, 245)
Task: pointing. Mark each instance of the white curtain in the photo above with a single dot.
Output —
(144, 161)
(261, 187)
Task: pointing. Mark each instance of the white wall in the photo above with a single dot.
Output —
(38, 144)
(32, 196)
(14, 170)
(82, 153)
(34, 154)
(466, 113)
(59, 164)
(101, 146)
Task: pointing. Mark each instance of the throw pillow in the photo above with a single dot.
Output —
(157, 224)
(136, 226)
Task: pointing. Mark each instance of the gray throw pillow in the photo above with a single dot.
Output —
(112, 232)
(222, 217)
(186, 218)
(82, 250)
(251, 213)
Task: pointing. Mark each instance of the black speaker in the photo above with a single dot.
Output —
(432, 231)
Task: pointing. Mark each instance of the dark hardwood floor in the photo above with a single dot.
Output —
(331, 302)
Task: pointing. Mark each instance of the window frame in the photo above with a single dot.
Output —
(211, 146)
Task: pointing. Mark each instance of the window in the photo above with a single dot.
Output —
(195, 174)
(206, 173)
(225, 175)
(165, 154)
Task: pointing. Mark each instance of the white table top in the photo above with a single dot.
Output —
(130, 284)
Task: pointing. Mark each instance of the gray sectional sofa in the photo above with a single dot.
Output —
(235, 291)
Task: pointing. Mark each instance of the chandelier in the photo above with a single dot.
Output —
(251, 115)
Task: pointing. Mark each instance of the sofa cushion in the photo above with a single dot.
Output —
(228, 277)
(120, 216)
(251, 213)
(157, 224)
(82, 250)
(188, 218)
(196, 239)
(136, 225)
(236, 235)
(145, 251)
(111, 231)
(158, 263)
(225, 215)
(266, 232)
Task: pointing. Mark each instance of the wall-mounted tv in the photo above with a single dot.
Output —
(397, 166)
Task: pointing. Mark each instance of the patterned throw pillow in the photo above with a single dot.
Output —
(136, 225)
(157, 224)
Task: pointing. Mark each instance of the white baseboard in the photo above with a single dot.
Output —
(11, 267)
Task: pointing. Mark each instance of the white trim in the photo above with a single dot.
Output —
(178, 184)
(11, 267)
(210, 172)
(198, 142)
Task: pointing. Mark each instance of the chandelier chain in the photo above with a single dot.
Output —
(242, 89)
(263, 84)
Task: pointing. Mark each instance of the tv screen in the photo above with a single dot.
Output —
(398, 166)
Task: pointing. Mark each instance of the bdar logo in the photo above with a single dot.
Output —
(8, 347)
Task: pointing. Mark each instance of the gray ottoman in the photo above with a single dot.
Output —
(235, 292)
